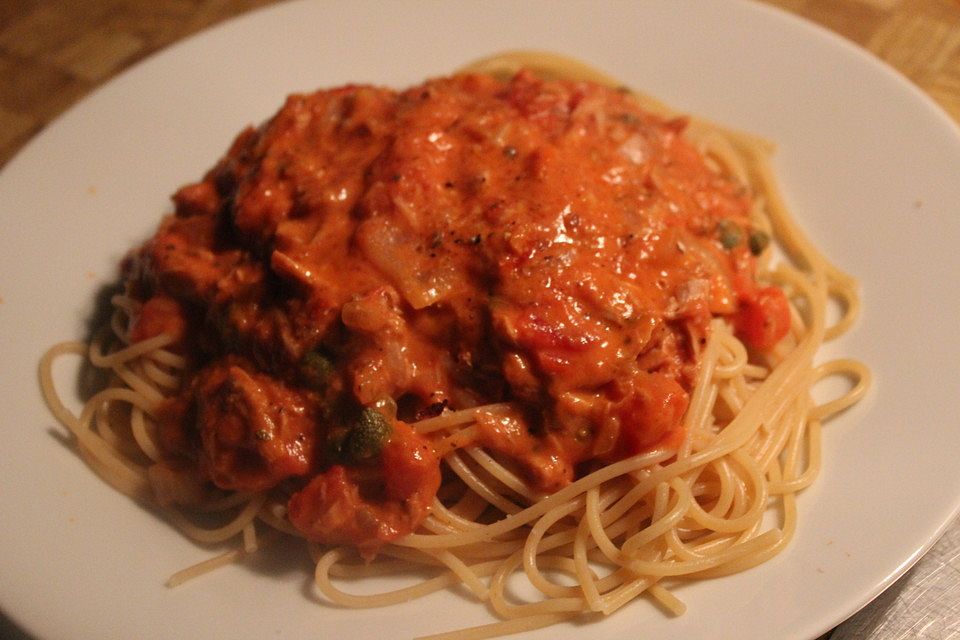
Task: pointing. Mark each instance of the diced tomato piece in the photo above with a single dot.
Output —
(763, 320)
(651, 410)
(369, 506)
(160, 315)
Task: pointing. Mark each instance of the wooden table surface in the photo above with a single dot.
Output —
(53, 52)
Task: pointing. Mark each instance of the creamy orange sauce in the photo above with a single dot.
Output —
(463, 242)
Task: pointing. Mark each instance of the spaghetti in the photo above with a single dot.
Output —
(591, 504)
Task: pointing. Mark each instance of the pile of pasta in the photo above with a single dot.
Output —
(723, 502)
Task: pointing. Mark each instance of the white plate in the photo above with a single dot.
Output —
(868, 162)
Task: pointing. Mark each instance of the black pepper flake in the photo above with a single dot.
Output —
(436, 239)
(476, 239)
(510, 152)
(448, 185)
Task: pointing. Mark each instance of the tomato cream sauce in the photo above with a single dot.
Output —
(464, 242)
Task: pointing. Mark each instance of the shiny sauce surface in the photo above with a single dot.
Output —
(463, 242)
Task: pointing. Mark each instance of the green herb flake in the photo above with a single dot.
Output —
(366, 438)
(730, 234)
(316, 369)
(758, 242)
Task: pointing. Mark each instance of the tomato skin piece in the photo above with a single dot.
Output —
(160, 315)
(763, 319)
(411, 469)
(650, 413)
